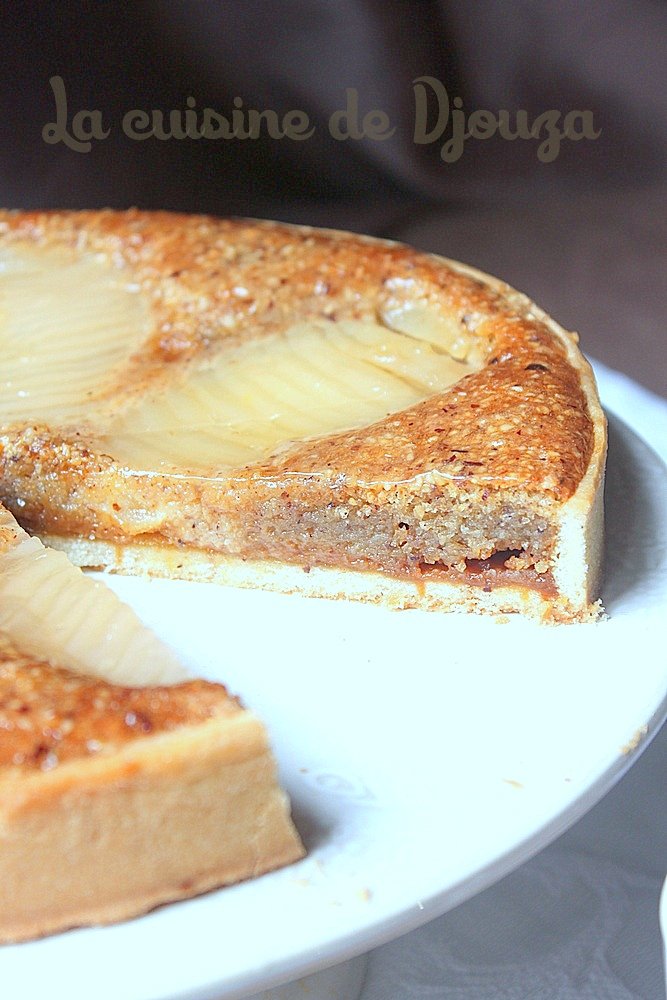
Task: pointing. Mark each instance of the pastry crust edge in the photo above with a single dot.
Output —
(141, 801)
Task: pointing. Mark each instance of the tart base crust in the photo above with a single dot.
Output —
(166, 818)
(428, 591)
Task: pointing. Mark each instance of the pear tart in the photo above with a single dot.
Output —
(122, 783)
(305, 410)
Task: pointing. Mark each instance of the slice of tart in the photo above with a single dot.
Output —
(305, 410)
(115, 798)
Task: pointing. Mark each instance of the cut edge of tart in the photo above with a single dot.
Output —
(306, 410)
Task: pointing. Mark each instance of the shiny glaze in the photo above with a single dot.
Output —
(50, 715)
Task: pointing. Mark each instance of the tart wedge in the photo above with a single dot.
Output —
(311, 411)
(115, 797)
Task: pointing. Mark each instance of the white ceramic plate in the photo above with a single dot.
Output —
(426, 756)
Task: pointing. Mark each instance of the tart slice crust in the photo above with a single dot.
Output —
(115, 799)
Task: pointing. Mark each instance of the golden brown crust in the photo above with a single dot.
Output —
(50, 715)
(544, 443)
